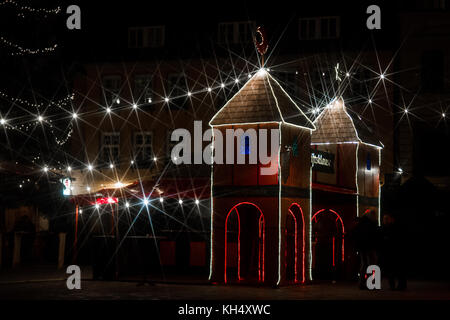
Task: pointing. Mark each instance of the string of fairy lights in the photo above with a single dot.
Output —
(119, 104)
(62, 104)
(21, 51)
(22, 10)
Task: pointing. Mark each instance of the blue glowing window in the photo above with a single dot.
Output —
(368, 162)
(245, 145)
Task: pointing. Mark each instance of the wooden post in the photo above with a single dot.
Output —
(62, 246)
(75, 243)
(1, 249)
(17, 249)
(115, 213)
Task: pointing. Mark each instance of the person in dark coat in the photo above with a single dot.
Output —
(393, 262)
(365, 237)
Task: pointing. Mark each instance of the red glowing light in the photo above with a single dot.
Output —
(338, 218)
(106, 200)
(296, 241)
(333, 251)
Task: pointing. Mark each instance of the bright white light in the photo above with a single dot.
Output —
(20, 186)
(134, 106)
(108, 110)
(161, 199)
(236, 81)
(443, 115)
(88, 188)
(40, 119)
(132, 162)
(189, 94)
(74, 115)
(347, 74)
(323, 74)
(69, 168)
(196, 201)
(80, 211)
(249, 75)
(119, 185)
(166, 99)
(111, 166)
(45, 169)
(262, 72)
(149, 100)
(90, 167)
(118, 101)
(155, 159)
(406, 111)
(180, 201)
(2, 121)
(400, 170)
(268, 69)
(175, 158)
(145, 201)
(222, 85)
(209, 89)
(382, 76)
(370, 100)
(97, 206)
(127, 204)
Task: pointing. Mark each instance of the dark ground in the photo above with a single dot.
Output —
(45, 283)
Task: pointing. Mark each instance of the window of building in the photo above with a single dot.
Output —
(146, 37)
(142, 89)
(368, 162)
(432, 73)
(319, 28)
(111, 88)
(110, 149)
(245, 144)
(236, 32)
(435, 4)
(176, 90)
(143, 148)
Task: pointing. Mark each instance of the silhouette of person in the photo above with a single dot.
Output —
(393, 252)
(365, 236)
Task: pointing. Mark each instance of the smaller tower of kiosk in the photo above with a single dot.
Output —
(346, 159)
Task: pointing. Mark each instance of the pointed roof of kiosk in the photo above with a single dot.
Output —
(335, 125)
(261, 99)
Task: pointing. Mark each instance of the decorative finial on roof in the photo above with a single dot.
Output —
(261, 46)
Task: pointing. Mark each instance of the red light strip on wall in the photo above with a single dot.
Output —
(262, 230)
(296, 245)
(239, 239)
(333, 253)
(342, 225)
(303, 241)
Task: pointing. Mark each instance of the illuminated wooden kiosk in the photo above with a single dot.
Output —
(346, 159)
(273, 229)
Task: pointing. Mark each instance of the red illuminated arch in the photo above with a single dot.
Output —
(261, 225)
(296, 241)
(338, 218)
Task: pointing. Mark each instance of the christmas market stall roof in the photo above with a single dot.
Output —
(261, 99)
(335, 125)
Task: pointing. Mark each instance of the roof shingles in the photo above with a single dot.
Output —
(335, 125)
(261, 99)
